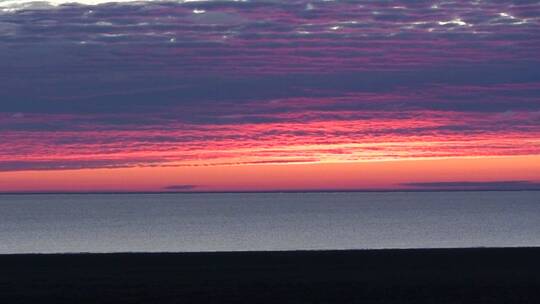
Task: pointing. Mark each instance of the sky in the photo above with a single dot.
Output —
(269, 95)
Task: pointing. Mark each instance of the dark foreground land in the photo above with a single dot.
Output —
(378, 276)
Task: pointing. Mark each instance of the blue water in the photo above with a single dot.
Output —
(272, 221)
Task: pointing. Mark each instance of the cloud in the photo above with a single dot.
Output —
(477, 185)
(73, 164)
(251, 82)
(181, 187)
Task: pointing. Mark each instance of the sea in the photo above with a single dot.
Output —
(69, 223)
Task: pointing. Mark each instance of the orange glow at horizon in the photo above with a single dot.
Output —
(269, 177)
(163, 100)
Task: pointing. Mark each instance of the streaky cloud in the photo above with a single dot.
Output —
(93, 84)
(181, 187)
(491, 185)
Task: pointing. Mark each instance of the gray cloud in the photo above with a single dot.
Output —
(483, 185)
(99, 81)
(181, 187)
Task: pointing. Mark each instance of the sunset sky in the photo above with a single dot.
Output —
(269, 95)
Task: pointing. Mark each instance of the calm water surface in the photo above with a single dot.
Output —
(276, 221)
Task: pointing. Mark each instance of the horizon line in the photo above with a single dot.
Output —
(266, 191)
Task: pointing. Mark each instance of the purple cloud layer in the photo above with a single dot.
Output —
(161, 83)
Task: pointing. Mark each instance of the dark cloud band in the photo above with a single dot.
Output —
(220, 82)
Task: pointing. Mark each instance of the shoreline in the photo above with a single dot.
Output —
(468, 275)
(257, 252)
